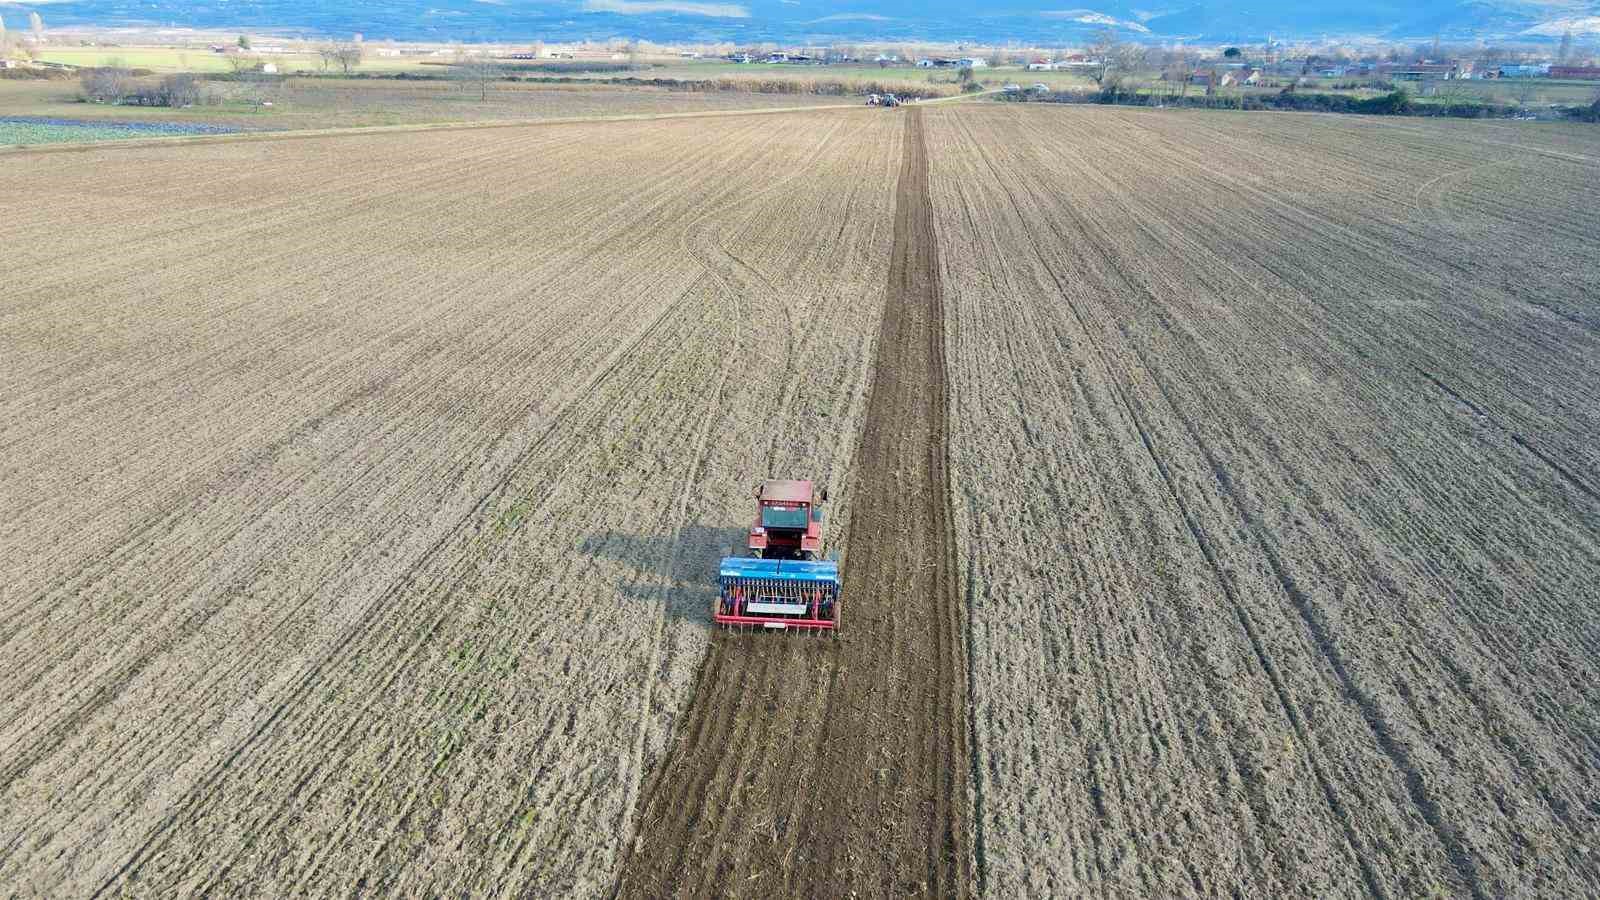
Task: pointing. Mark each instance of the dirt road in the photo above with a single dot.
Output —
(827, 768)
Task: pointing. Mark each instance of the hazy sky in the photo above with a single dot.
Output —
(791, 20)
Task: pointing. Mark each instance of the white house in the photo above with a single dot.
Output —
(971, 62)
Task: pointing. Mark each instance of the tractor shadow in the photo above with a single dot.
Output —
(678, 569)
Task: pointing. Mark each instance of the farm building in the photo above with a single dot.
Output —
(1423, 72)
(1224, 78)
(1579, 73)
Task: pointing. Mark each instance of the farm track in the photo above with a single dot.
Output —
(809, 767)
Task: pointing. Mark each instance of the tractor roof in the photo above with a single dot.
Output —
(787, 491)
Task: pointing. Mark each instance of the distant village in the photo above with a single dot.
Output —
(1270, 64)
(1243, 65)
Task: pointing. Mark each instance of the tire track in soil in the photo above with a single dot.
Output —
(815, 767)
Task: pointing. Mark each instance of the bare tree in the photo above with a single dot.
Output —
(1453, 92)
(1102, 51)
(239, 64)
(36, 25)
(5, 39)
(479, 72)
(349, 57)
(173, 91)
(1565, 53)
(344, 54)
(1129, 57)
(1176, 74)
(1523, 90)
(105, 84)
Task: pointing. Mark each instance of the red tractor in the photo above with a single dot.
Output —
(788, 524)
(786, 585)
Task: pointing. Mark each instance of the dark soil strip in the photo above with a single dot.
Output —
(823, 768)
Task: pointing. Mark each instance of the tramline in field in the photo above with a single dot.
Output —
(782, 583)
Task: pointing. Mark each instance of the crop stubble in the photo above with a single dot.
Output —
(815, 767)
(358, 496)
(1273, 449)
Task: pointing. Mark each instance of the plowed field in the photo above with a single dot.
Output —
(833, 768)
(1275, 464)
(357, 495)
(1217, 496)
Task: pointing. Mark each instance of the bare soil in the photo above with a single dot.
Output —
(1274, 441)
(358, 500)
(358, 495)
(821, 767)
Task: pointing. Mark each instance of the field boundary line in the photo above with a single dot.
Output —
(359, 130)
(960, 611)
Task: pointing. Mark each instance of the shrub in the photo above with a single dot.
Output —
(172, 91)
(105, 84)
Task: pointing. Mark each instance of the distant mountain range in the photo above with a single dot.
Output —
(802, 21)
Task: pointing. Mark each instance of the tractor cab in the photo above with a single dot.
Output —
(788, 521)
